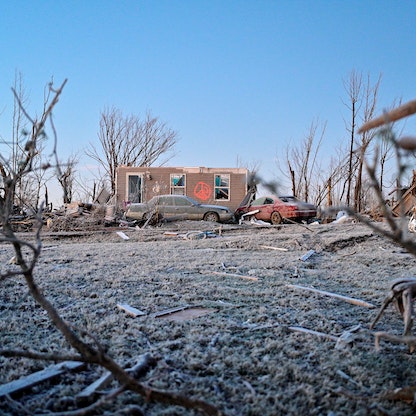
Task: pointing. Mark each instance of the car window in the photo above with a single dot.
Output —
(182, 202)
(258, 201)
(165, 201)
(268, 201)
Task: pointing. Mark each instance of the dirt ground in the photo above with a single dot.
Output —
(246, 353)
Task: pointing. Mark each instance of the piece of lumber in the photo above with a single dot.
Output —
(307, 255)
(134, 312)
(99, 384)
(275, 248)
(38, 377)
(122, 235)
(171, 310)
(311, 332)
(353, 301)
(140, 369)
(235, 275)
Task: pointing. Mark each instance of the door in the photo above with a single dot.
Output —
(135, 188)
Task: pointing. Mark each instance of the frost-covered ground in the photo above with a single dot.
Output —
(245, 356)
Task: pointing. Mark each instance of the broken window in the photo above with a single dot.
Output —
(134, 188)
(177, 184)
(222, 187)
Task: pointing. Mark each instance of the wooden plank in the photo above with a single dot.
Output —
(312, 332)
(122, 235)
(138, 370)
(241, 276)
(353, 301)
(96, 386)
(171, 310)
(38, 377)
(307, 255)
(275, 248)
(130, 310)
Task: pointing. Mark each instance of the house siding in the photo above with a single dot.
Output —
(200, 183)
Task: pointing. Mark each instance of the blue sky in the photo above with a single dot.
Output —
(239, 80)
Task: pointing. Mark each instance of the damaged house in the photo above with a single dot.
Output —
(214, 186)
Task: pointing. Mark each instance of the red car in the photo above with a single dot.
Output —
(276, 209)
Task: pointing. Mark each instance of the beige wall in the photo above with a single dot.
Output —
(199, 183)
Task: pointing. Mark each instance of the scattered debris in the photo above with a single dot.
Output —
(412, 222)
(274, 248)
(36, 378)
(225, 274)
(312, 332)
(306, 256)
(122, 235)
(353, 301)
(248, 215)
(187, 314)
(171, 310)
(130, 310)
(343, 218)
(183, 313)
(140, 369)
(347, 338)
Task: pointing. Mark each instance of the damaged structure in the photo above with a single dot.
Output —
(214, 186)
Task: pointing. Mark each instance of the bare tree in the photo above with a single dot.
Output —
(85, 346)
(402, 291)
(129, 140)
(354, 91)
(66, 178)
(369, 104)
(302, 163)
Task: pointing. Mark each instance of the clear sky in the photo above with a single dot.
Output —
(239, 80)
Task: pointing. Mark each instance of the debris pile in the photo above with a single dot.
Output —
(77, 216)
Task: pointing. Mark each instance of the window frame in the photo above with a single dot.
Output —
(219, 187)
(174, 188)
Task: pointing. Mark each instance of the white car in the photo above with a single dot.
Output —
(180, 207)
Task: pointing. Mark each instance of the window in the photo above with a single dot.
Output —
(177, 184)
(222, 187)
(134, 188)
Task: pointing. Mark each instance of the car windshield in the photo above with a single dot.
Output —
(262, 201)
(288, 199)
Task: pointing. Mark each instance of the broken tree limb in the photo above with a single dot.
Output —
(38, 377)
(393, 115)
(409, 340)
(353, 301)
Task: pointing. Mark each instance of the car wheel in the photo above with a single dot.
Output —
(212, 217)
(276, 218)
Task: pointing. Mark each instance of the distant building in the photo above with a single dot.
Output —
(214, 186)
